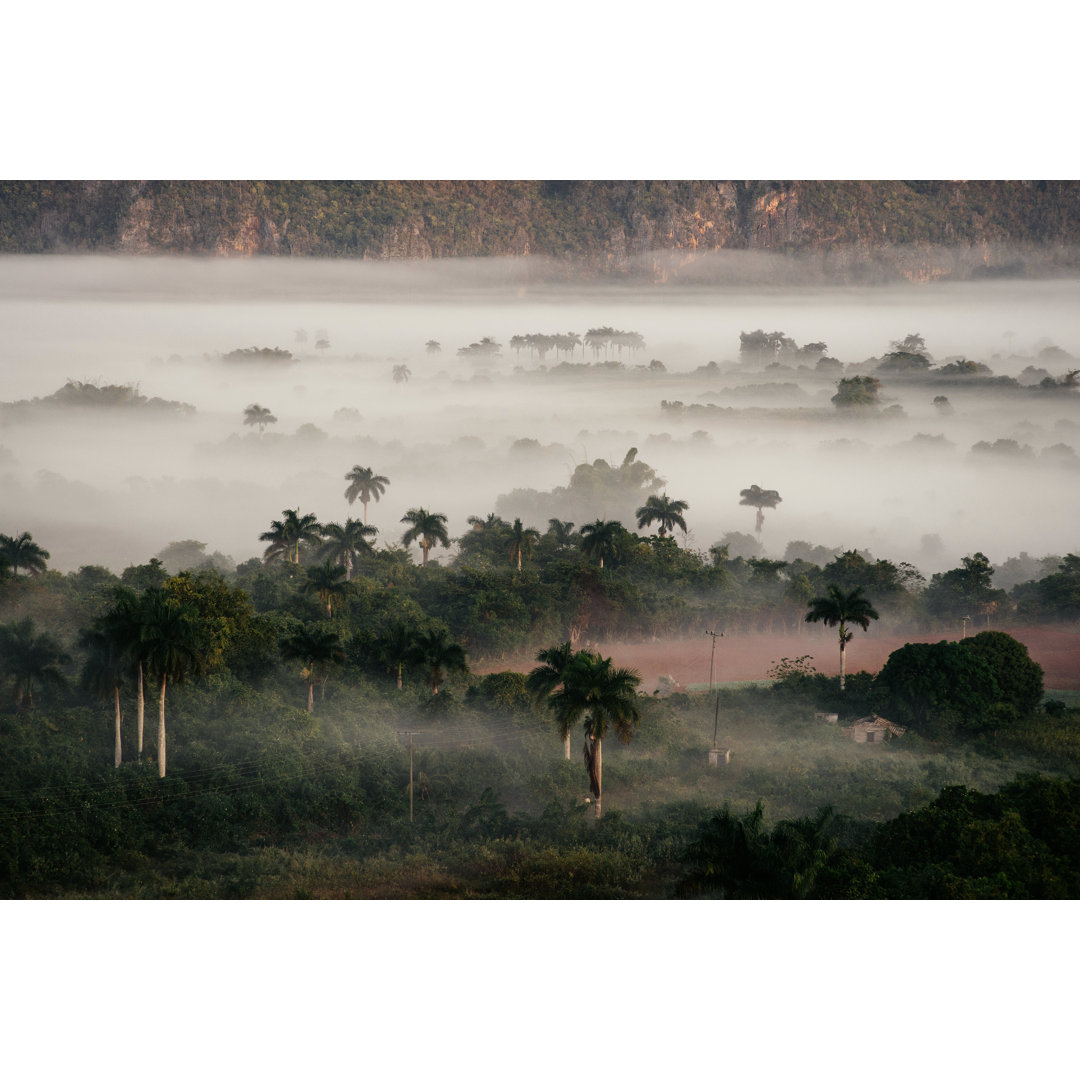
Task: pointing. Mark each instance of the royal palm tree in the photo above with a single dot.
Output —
(542, 681)
(175, 648)
(329, 582)
(345, 543)
(286, 536)
(402, 374)
(22, 551)
(429, 529)
(103, 671)
(667, 512)
(27, 658)
(394, 648)
(762, 499)
(838, 608)
(521, 541)
(363, 483)
(316, 646)
(603, 696)
(258, 415)
(601, 539)
(438, 654)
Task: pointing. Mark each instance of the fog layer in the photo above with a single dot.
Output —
(113, 486)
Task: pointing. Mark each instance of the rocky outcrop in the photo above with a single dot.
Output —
(854, 231)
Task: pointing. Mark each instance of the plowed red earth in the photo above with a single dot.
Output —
(749, 656)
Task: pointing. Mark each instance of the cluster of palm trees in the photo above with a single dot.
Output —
(585, 686)
(145, 635)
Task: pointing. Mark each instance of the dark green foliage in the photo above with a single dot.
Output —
(859, 391)
(979, 684)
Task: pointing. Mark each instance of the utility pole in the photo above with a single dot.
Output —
(714, 635)
(410, 734)
(964, 620)
(712, 656)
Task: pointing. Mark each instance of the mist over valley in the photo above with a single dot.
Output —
(475, 434)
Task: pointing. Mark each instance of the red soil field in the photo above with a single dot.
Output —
(749, 656)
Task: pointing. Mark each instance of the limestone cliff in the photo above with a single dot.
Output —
(658, 230)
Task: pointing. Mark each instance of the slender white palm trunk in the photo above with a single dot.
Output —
(142, 708)
(566, 745)
(161, 730)
(117, 749)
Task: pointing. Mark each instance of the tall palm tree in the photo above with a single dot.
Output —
(402, 374)
(542, 681)
(667, 512)
(363, 482)
(838, 608)
(394, 648)
(438, 654)
(762, 499)
(27, 658)
(601, 539)
(521, 541)
(258, 415)
(22, 551)
(428, 528)
(103, 672)
(286, 536)
(603, 696)
(175, 648)
(345, 543)
(316, 646)
(329, 582)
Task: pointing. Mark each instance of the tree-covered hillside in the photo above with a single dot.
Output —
(864, 229)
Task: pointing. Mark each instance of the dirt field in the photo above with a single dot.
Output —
(749, 656)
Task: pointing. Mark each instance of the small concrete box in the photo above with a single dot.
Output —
(719, 757)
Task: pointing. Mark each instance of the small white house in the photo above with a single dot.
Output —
(874, 729)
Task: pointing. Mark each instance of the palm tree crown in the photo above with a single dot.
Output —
(363, 482)
(345, 543)
(428, 528)
(286, 536)
(760, 498)
(329, 582)
(437, 653)
(27, 657)
(22, 551)
(667, 512)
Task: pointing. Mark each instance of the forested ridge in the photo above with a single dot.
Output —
(865, 230)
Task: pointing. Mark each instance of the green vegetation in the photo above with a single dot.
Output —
(287, 776)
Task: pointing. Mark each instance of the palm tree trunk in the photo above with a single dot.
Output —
(142, 708)
(594, 765)
(566, 745)
(117, 751)
(161, 730)
(843, 660)
(399, 676)
(310, 697)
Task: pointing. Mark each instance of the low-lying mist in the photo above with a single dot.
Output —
(376, 379)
